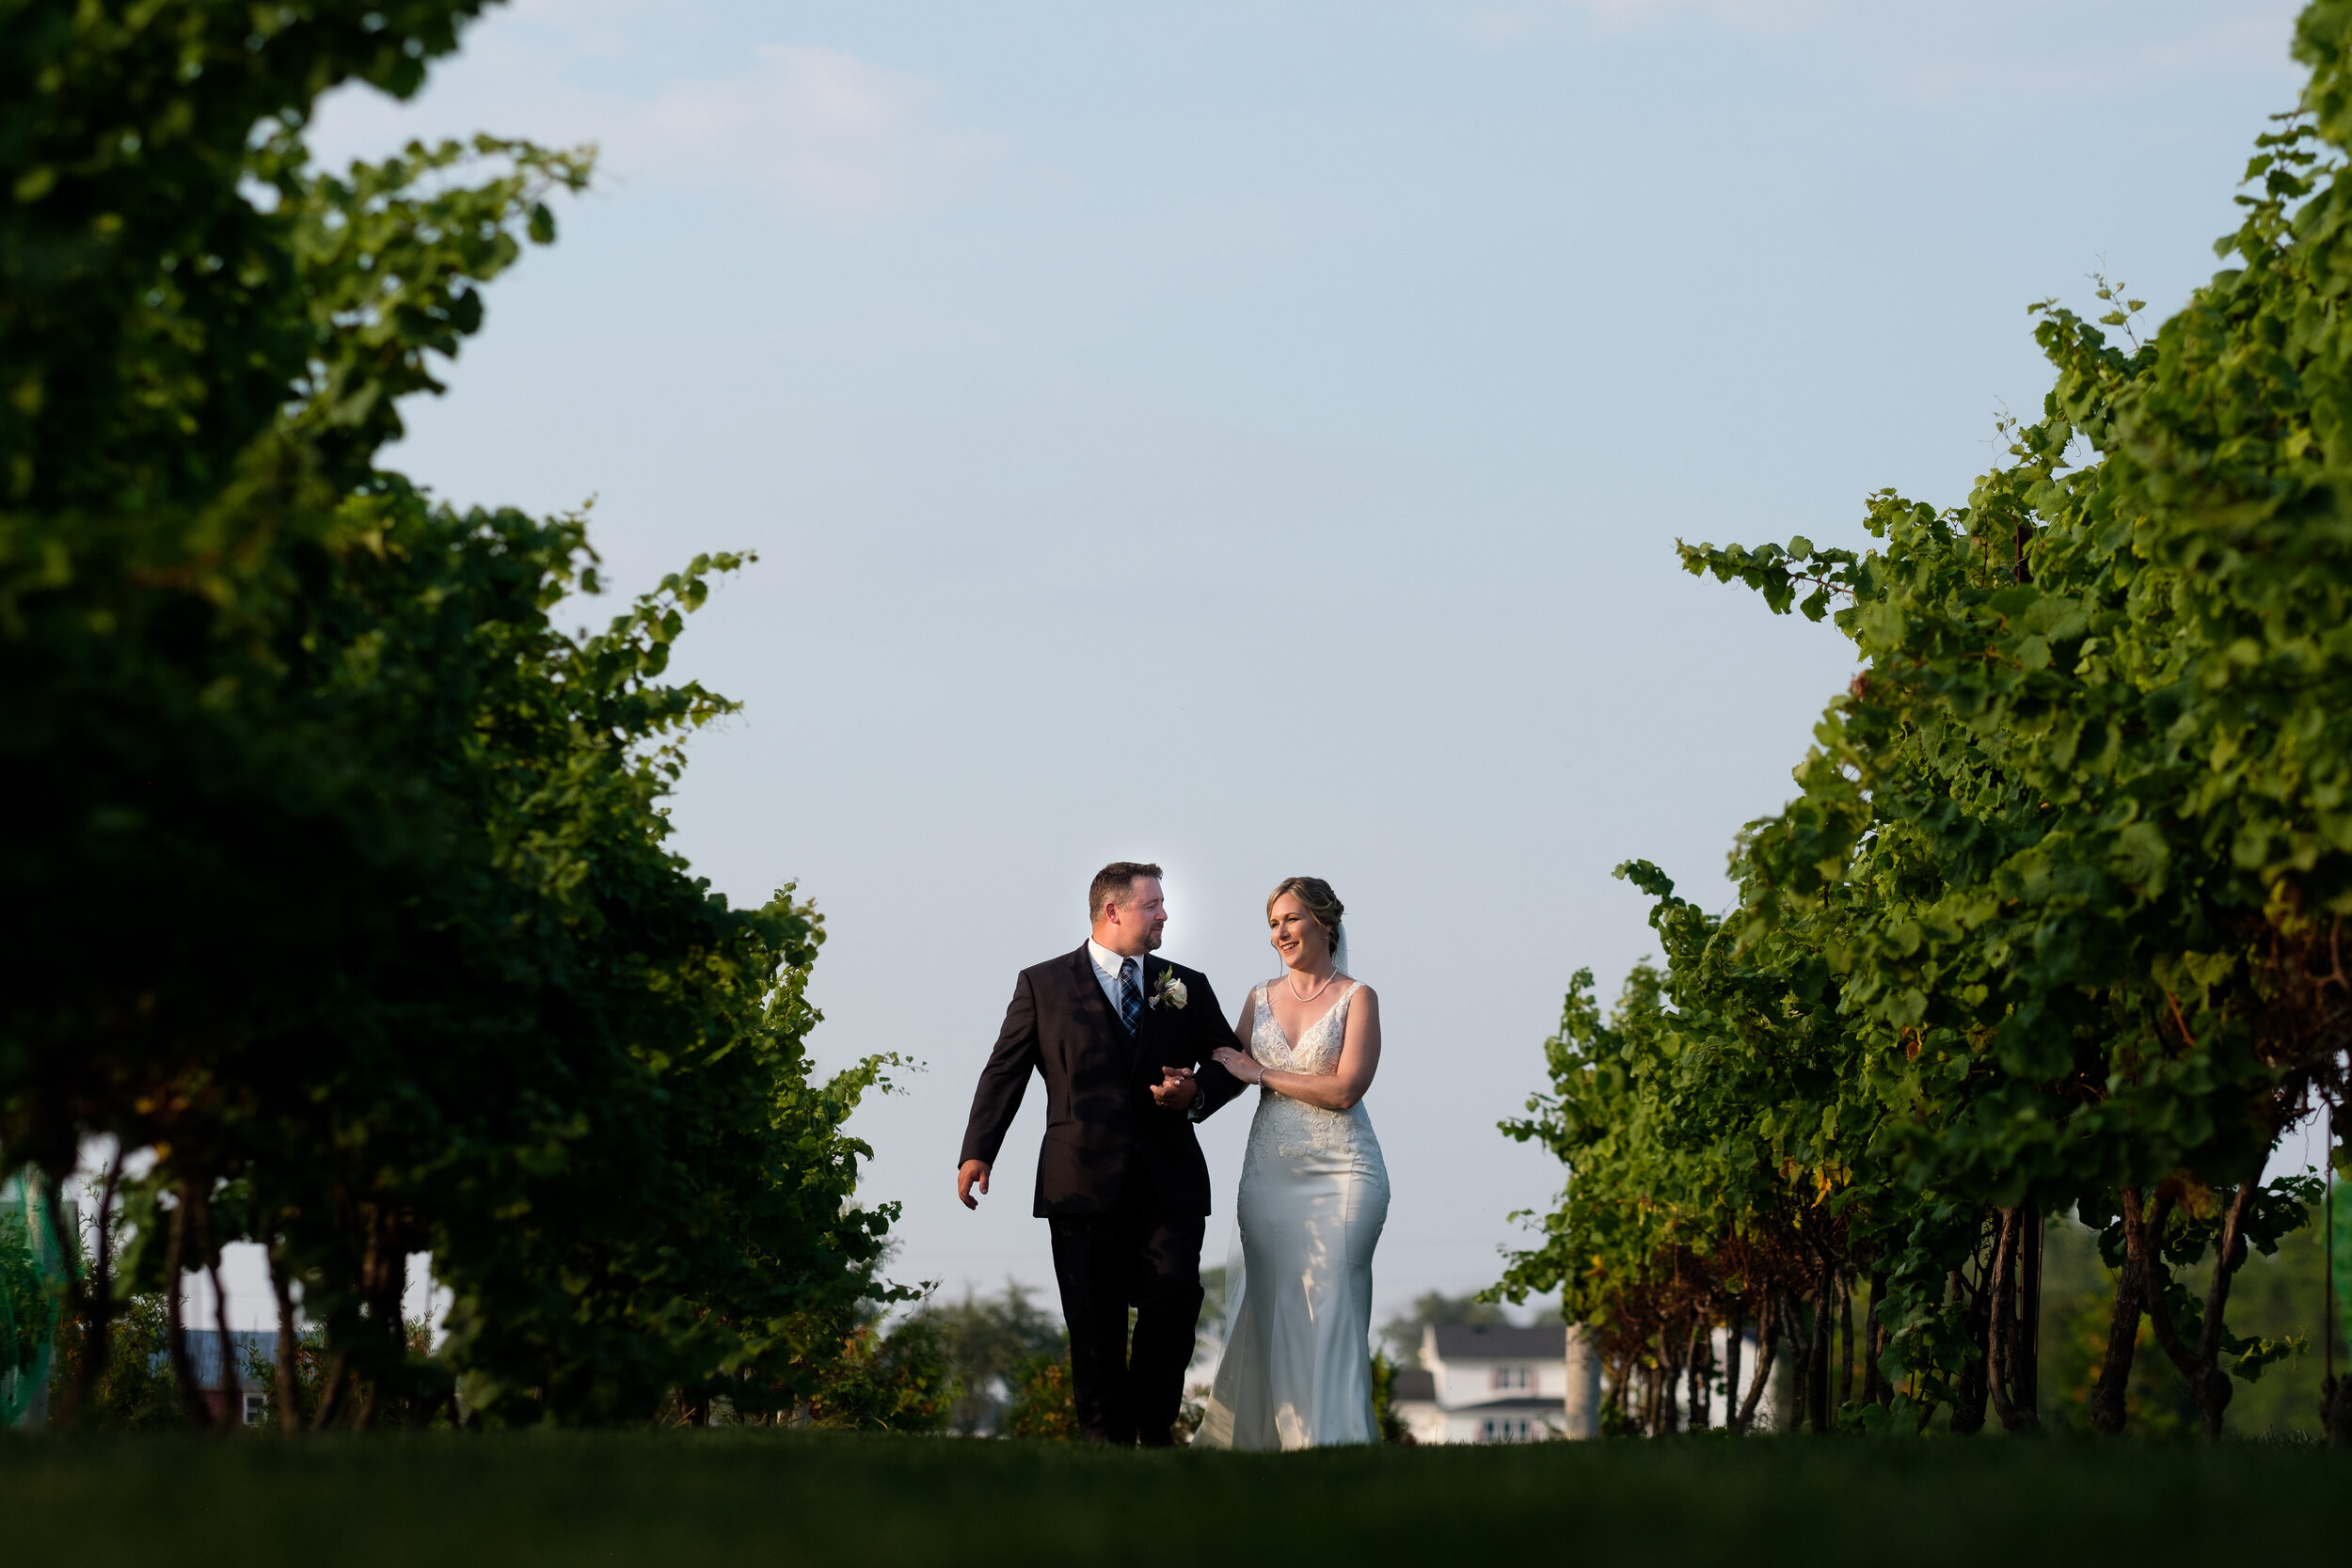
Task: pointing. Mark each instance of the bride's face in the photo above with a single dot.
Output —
(1296, 937)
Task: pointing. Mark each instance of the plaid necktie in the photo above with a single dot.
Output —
(1129, 995)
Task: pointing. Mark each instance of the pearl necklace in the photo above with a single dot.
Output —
(1312, 994)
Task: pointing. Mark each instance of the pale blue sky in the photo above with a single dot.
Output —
(1254, 437)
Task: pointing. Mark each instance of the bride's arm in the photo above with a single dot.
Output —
(1236, 1060)
(1359, 1058)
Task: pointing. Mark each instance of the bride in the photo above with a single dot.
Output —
(1296, 1373)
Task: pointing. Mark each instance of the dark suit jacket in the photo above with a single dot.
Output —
(1102, 1129)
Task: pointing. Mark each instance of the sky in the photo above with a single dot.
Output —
(1254, 437)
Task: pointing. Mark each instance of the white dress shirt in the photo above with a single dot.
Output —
(1106, 970)
(1107, 975)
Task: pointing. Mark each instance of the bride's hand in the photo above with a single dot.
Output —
(1242, 1066)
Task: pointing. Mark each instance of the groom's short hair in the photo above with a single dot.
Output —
(1112, 884)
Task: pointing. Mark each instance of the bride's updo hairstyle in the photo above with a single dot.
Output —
(1316, 896)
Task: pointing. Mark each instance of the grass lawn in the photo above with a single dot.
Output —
(744, 1497)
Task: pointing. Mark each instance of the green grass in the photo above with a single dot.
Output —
(779, 1499)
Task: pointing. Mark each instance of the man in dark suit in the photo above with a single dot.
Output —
(1123, 1041)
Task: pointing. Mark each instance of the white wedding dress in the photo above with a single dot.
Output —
(1296, 1372)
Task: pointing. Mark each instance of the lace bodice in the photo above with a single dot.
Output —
(1290, 1127)
(1317, 1052)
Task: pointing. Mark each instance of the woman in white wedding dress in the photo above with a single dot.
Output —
(1296, 1372)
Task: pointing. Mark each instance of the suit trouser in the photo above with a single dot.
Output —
(1140, 1256)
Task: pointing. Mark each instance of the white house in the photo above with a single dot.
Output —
(251, 1352)
(1499, 1385)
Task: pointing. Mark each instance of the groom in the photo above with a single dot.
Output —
(1123, 1042)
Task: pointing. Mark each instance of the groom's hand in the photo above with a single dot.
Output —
(972, 1173)
(1175, 1089)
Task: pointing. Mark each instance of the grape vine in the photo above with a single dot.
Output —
(339, 901)
(2055, 924)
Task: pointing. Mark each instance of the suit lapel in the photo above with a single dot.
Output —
(1147, 1056)
(1096, 1005)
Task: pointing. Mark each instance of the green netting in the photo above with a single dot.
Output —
(32, 1280)
(2340, 1193)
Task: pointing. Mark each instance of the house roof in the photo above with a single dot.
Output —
(252, 1344)
(1499, 1407)
(1500, 1343)
(1412, 1383)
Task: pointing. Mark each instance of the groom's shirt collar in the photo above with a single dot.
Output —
(1106, 972)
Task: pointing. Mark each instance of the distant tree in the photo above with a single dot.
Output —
(1041, 1405)
(985, 1338)
(902, 1381)
(1392, 1425)
(133, 1391)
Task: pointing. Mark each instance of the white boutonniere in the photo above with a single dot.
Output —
(1170, 990)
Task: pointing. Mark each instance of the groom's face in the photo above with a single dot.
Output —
(1136, 921)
